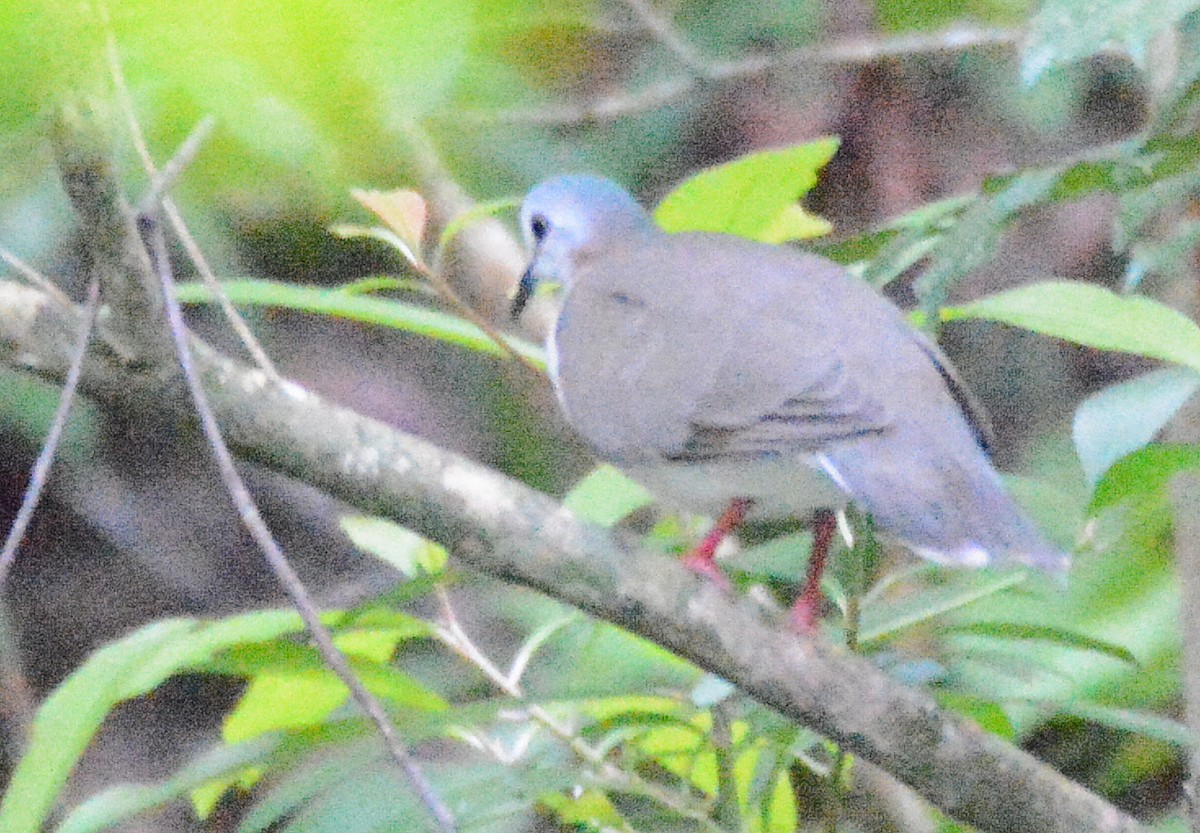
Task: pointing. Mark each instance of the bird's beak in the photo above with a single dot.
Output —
(523, 293)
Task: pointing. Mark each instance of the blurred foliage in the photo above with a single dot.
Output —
(314, 97)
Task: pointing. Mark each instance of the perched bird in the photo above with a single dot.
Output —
(738, 379)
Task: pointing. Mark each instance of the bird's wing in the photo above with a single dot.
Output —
(814, 360)
(819, 405)
(823, 408)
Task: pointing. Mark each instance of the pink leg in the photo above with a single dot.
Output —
(808, 604)
(702, 559)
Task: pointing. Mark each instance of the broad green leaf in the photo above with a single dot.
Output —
(1046, 633)
(127, 668)
(606, 496)
(633, 707)
(298, 699)
(283, 701)
(588, 809)
(393, 544)
(1124, 417)
(396, 314)
(1064, 31)
(989, 715)
(685, 749)
(1094, 317)
(1143, 474)
(796, 223)
(774, 810)
(753, 196)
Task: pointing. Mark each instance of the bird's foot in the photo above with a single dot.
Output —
(702, 560)
(806, 612)
(805, 616)
(703, 564)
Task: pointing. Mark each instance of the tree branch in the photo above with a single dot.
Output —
(497, 526)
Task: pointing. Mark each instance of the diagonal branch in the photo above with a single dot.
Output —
(495, 525)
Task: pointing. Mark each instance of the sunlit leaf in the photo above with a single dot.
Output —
(749, 196)
(586, 810)
(989, 715)
(127, 668)
(606, 496)
(393, 544)
(796, 223)
(1143, 474)
(402, 211)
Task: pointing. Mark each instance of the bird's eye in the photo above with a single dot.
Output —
(540, 227)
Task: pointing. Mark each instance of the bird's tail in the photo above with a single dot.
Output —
(950, 509)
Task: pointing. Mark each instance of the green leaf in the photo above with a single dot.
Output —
(381, 311)
(795, 223)
(753, 196)
(1143, 475)
(774, 810)
(1047, 633)
(1094, 317)
(283, 701)
(989, 715)
(585, 810)
(605, 496)
(1124, 417)
(1064, 31)
(129, 667)
(395, 545)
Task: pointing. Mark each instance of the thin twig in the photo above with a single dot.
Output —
(670, 38)
(41, 467)
(16, 699)
(662, 93)
(160, 181)
(256, 526)
(36, 278)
